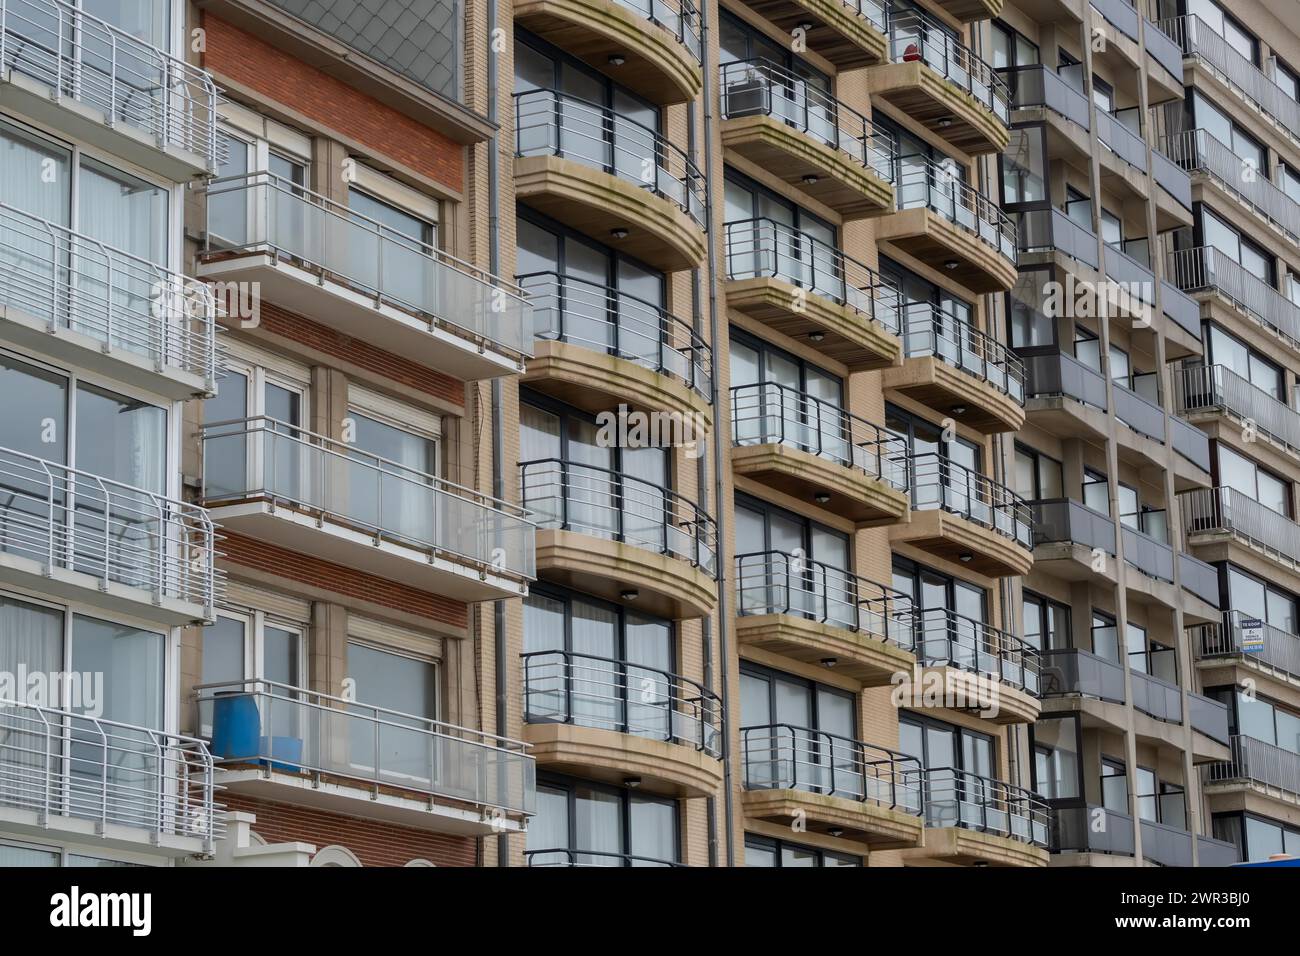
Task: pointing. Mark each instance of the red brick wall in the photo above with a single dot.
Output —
(373, 842)
(272, 559)
(259, 66)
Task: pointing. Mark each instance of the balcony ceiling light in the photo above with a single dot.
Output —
(944, 122)
(822, 497)
(630, 594)
(836, 831)
(951, 264)
(631, 782)
(829, 661)
(619, 233)
(965, 557)
(959, 409)
(617, 59)
(816, 336)
(810, 179)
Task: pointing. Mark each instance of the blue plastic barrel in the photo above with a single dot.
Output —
(236, 726)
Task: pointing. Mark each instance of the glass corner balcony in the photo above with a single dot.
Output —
(299, 747)
(958, 803)
(802, 287)
(603, 174)
(70, 776)
(848, 33)
(1279, 652)
(651, 47)
(591, 323)
(821, 147)
(109, 545)
(816, 451)
(942, 84)
(84, 302)
(361, 277)
(98, 83)
(333, 501)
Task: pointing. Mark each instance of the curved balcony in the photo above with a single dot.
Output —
(294, 746)
(801, 287)
(99, 83)
(80, 301)
(609, 177)
(598, 347)
(819, 146)
(941, 83)
(360, 277)
(651, 47)
(974, 820)
(88, 539)
(611, 534)
(815, 613)
(611, 720)
(958, 371)
(333, 501)
(100, 782)
(1209, 276)
(943, 221)
(817, 452)
(835, 784)
(849, 33)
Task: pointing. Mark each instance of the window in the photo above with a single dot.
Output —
(1213, 16)
(1231, 352)
(1024, 167)
(1096, 491)
(1236, 247)
(1103, 94)
(1257, 838)
(934, 320)
(27, 855)
(1252, 597)
(951, 616)
(925, 176)
(1087, 348)
(960, 764)
(1254, 716)
(1046, 622)
(1287, 79)
(1038, 477)
(247, 645)
(1105, 637)
(1010, 48)
(1207, 116)
(1078, 208)
(1241, 474)
(1114, 786)
(1058, 771)
(398, 749)
(766, 852)
(579, 823)
(770, 235)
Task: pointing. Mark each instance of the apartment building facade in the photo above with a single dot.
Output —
(606, 433)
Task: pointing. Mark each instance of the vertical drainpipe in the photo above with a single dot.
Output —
(498, 420)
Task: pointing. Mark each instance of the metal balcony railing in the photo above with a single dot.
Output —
(118, 300)
(1281, 650)
(262, 212)
(1040, 86)
(65, 518)
(59, 764)
(1258, 762)
(788, 757)
(1217, 388)
(1207, 269)
(550, 123)
(624, 696)
(1120, 14)
(1122, 141)
(945, 638)
(1075, 829)
(776, 582)
(133, 83)
(570, 309)
(1059, 374)
(929, 330)
(1076, 671)
(1046, 230)
(261, 458)
(603, 503)
(298, 730)
(569, 857)
(1199, 41)
(765, 248)
(681, 18)
(760, 87)
(956, 798)
(1227, 510)
(1199, 152)
(922, 183)
(771, 413)
(939, 482)
(914, 36)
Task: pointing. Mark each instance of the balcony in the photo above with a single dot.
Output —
(1075, 831)
(612, 534)
(80, 301)
(1006, 670)
(362, 278)
(1183, 337)
(1052, 11)
(940, 82)
(1222, 643)
(1049, 235)
(1219, 515)
(803, 288)
(816, 613)
(100, 782)
(1131, 285)
(1041, 94)
(1164, 49)
(1165, 845)
(817, 452)
(1208, 52)
(295, 746)
(1203, 393)
(1141, 442)
(1066, 396)
(1207, 160)
(610, 177)
(962, 516)
(599, 347)
(1075, 672)
(611, 720)
(1200, 581)
(1174, 197)
(943, 221)
(98, 83)
(835, 784)
(967, 10)
(819, 146)
(1193, 447)
(958, 371)
(974, 820)
(1206, 273)
(651, 47)
(87, 539)
(335, 502)
(563, 856)
(1124, 156)
(1256, 765)
(1067, 535)
(849, 33)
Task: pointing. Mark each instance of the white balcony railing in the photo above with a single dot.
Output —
(1227, 510)
(1217, 388)
(1257, 761)
(132, 83)
(1208, 269)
